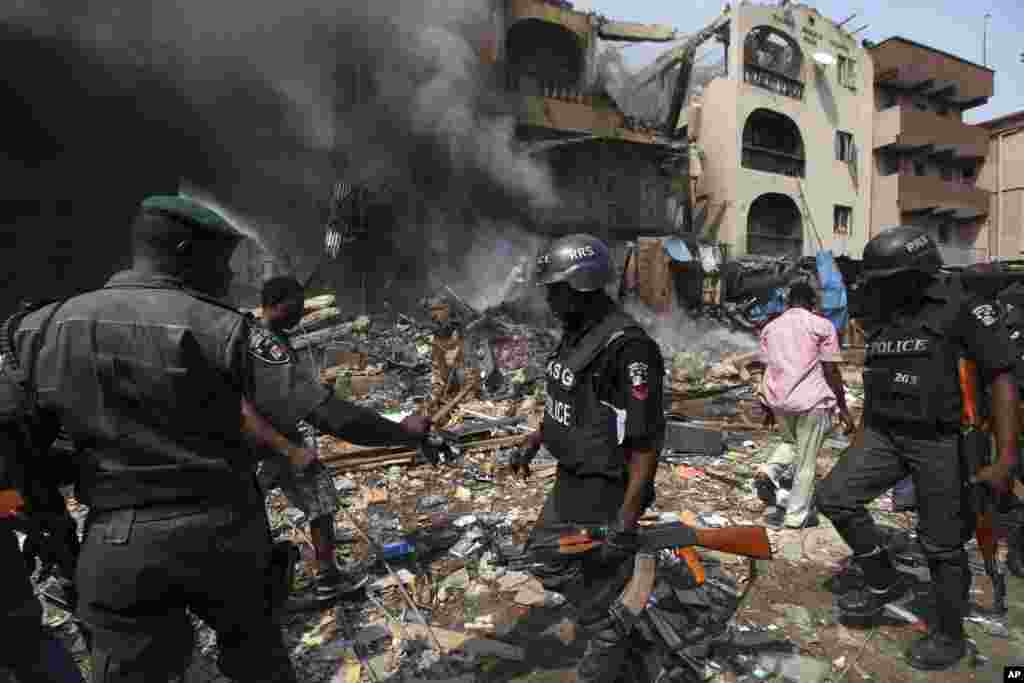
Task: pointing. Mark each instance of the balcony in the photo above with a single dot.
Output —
(903, 127)
(931, 194)
(769, 80)
(772, 161)
(908, 65)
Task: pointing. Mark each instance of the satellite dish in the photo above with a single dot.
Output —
(824, 58)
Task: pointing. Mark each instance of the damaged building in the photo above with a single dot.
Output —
(783, 135)
(615, 176)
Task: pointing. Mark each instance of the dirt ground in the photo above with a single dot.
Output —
(791, 596)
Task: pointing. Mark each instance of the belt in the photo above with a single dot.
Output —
(147, 513)
(915, 430)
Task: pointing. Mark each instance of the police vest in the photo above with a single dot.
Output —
(146, 380)
(580, 429)
(910, 369)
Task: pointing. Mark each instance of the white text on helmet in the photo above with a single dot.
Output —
(917, 244)
(581, 252)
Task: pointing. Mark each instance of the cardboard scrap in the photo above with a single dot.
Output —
(376, 495)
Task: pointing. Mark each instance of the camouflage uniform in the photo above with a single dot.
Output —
(311, 491)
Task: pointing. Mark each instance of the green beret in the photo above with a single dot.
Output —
(189, 210)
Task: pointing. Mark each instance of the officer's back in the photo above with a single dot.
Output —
(147, 376)
(140, 374)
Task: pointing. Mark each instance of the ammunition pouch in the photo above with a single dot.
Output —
(284, 555)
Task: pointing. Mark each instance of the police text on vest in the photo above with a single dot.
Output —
(559, 411)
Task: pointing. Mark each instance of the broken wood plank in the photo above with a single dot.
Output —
(371, 464)
(366, 458)
(441, 416)
(363, 452)
(376, 495)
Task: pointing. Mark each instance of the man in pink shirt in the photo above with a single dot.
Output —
(802, 390)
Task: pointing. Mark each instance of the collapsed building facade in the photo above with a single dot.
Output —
(783, 135)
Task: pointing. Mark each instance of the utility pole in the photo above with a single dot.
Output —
(984, 41)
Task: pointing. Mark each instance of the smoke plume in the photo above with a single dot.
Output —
(677, 332)
(268, 103)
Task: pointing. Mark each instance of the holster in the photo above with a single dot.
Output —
(284, 555)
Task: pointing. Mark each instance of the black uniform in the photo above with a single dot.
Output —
(147, 379)
(604, 396)
(33, 655)
(287, 392)
(912, 426)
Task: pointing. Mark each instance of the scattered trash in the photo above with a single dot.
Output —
(432, 504)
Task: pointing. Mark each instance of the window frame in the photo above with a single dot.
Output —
(844, 147)
(842, 227)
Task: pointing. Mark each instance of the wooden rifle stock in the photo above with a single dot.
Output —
(749, 541)
(975, 450)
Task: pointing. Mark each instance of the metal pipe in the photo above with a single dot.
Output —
(984, 41)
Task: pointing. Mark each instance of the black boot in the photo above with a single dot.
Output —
(945, 643)
(882, 584)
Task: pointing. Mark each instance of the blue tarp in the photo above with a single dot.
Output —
(775, 304)
(833, 291)
(677, 250)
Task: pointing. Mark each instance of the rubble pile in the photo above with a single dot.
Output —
(450, 596)
(385, 360)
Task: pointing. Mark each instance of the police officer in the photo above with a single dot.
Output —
(923, 322)
(148, 377)
(33, 655)
(291, 397)
(604, 423)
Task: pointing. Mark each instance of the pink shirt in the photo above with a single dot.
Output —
(793, 347)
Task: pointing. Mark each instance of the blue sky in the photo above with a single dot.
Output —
(955, 26)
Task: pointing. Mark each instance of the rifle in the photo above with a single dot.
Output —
(573, 539)
(976, 453)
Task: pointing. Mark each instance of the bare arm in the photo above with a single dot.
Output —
(263, 435)
(834, 378)
(643, 465)
(1005, 416)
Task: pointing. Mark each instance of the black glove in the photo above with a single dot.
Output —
(620, 546)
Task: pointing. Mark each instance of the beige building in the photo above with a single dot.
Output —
(1003, 175)
(926, 158)
(785, 136)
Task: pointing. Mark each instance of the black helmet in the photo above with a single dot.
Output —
(583, 261)
(898, 250)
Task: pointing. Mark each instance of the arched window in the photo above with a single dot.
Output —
(772, 143)
(772, 60)
(775, 226)
(772, 50)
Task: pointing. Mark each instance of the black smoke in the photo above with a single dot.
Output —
(251, 102)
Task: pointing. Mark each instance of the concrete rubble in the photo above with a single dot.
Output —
(487, 618)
